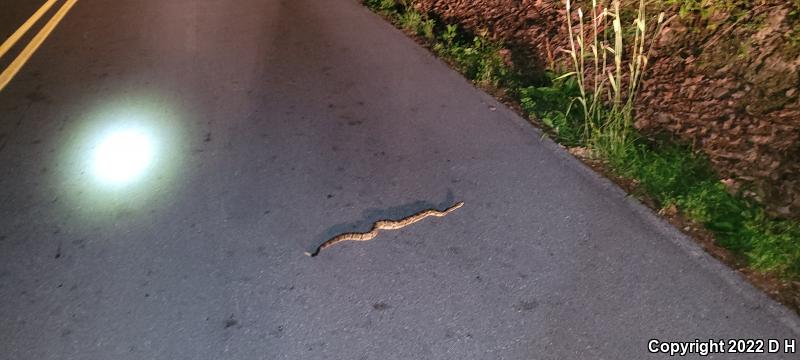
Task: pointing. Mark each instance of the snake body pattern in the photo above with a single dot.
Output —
(384, 225)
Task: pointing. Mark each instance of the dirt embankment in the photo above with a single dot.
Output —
(726, 80)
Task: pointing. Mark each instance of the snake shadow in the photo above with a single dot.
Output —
(371, 215)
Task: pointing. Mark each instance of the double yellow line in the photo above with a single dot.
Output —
(38, 39)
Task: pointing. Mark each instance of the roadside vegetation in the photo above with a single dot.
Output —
(592, 111)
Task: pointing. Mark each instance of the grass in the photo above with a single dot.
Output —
(675, 175)
(478, 59)
(608, 61)
(669, 173)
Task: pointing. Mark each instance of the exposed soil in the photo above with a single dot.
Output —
(731, 88)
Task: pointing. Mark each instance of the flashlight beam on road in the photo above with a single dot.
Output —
(122, 157)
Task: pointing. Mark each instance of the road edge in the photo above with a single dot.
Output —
(685, 243)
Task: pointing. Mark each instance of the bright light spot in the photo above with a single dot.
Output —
(122, 156)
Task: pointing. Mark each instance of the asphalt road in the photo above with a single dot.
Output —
(279, 124)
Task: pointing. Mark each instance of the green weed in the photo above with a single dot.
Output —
(480, 60)
(411, 21)
(449, 35)
(385, 7)
(553, 106)
(428, 27)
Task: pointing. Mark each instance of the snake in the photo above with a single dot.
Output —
(383, 225)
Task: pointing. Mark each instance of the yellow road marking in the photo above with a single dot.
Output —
(27, 52)
(25, 27)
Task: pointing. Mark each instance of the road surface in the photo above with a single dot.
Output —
(277, 124)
